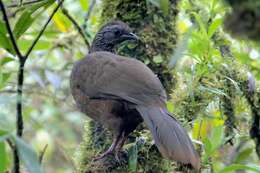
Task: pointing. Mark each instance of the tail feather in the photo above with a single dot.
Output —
(170, 137)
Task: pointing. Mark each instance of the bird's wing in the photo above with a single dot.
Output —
(106, 75)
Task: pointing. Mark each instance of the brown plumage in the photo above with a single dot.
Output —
(121, 92)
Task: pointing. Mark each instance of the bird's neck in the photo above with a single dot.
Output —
(100, 45)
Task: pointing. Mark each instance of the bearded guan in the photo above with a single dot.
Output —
(121, 92)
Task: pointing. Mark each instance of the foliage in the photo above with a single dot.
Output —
(215, 80)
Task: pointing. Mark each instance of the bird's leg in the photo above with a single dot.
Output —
(120, 145)
(111, 149)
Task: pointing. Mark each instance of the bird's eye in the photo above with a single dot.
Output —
(117, 32)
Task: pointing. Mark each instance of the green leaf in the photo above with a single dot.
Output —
(157, 59)
(24, 44)
(28, 156)
(4, 78)
(2, 157)
(170, 106)
(3, 135)
(29, 16)
(214, 26)
(5, 42)
(200, 23)
(6, 60)
(208, 147)
(217, 136)
(164, 5)
(61, 21)
(243, 155)
(84, 4)
(132, 160)
(23, 23)
(235, 167)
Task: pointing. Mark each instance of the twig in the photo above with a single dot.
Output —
(10, 143)
(8, 91)
(42, 30)
(90, 9)
(5, 18)
(24, 3)
(22, 60)
(42, 153)
(76, 25)
(19, 118)
(20, 78)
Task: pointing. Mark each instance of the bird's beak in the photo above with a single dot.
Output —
(130, 36)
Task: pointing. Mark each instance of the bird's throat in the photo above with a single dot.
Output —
(99, 45)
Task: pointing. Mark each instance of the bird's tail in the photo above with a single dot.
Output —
(170, 137)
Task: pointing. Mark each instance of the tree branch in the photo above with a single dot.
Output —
(90, 9)
(42, 153)
(76, 25)
(19, 118)
(24, 3)
(9, 30)
(42, 30)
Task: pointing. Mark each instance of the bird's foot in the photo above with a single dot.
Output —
(115, 148)
(117, 156)
(103, 155)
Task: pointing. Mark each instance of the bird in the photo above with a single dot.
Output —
(122, 92)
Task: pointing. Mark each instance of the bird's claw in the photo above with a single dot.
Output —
(101, 156)
(117, 157)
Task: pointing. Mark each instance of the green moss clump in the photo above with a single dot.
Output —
(92, 145)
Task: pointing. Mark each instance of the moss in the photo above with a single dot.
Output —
(251, 92)
(91, 145)
(188, 105)
(227, 101)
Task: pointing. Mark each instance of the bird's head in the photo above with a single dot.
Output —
(110, 35)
